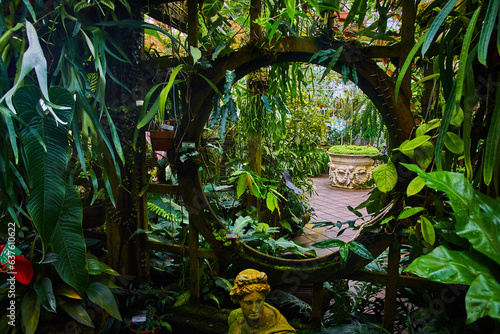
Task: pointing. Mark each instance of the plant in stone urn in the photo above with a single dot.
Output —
(351, 165)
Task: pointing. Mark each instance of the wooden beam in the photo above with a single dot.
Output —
(171, 19)
(180, 250)
(412, 282)
(159, 188)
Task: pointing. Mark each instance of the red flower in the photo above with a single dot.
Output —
(23, 269)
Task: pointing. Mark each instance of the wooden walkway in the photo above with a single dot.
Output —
(330, 205)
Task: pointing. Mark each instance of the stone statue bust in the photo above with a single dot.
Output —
(255, 316)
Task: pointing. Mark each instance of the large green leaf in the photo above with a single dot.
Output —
(408, 211)
(290, 8)
(488, 25)
(75, 309)
(385, 176)
(407, 64)
(30, 312)
(270, 199)
(464, 54)
(164, 92)
(332, 243)
(46, 168)
(428, 231)
(449, 266)
(360, 250)
(182, 299)
(426, 127)
(45, 292)
(482, 299)
(477, 215)
(69, 244)
(491, 152)
(411, 145)
(424, 154)
(454, 143)
(97, 267)
(211, 7)
(436, 24)
(101, 295)
(242, 185)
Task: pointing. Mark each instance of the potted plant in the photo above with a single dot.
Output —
(163, 139)
(148, 322)
(94, 213)
(351, 166)
(163, 125)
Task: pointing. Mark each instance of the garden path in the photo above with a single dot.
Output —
(330, 205)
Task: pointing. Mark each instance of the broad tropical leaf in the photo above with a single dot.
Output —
(183, 299)
(409, 211)
(211, 7)
(69, 244)
(477, 215)
(415, 186)
(270, 199)
(409, 146)
(30, 312)
(449, 266)
(242, 185)
(223, 283)
(45, 292)
(428, 231)
(424, 154)
(482, 299)
(101, 295)
(454, 143)
(46, 168)
(332, 243)
(385, 176)
(75, 309)
(360, 250)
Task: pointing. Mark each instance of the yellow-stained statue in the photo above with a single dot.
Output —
(255, 316)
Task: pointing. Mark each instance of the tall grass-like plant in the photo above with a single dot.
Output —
(54, 75)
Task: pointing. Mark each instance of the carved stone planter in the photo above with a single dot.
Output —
(350, 171)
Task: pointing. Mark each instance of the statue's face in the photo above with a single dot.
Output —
(252, 305)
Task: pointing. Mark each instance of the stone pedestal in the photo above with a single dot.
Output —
(350, 171)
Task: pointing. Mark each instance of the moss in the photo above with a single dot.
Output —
(353, 149)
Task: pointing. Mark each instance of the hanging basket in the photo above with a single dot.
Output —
(162, 140)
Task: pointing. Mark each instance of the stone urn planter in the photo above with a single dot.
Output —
(351, 171)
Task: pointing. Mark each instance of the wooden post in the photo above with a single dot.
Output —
(193, 23)
(392, 286)
(255, 29)
(407, 42)
(317, 305)
(194, 262)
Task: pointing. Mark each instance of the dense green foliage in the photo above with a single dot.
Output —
(353, 149)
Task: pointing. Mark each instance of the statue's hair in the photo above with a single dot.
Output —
(248, 281)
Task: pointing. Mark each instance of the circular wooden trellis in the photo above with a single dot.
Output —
(372, 80)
